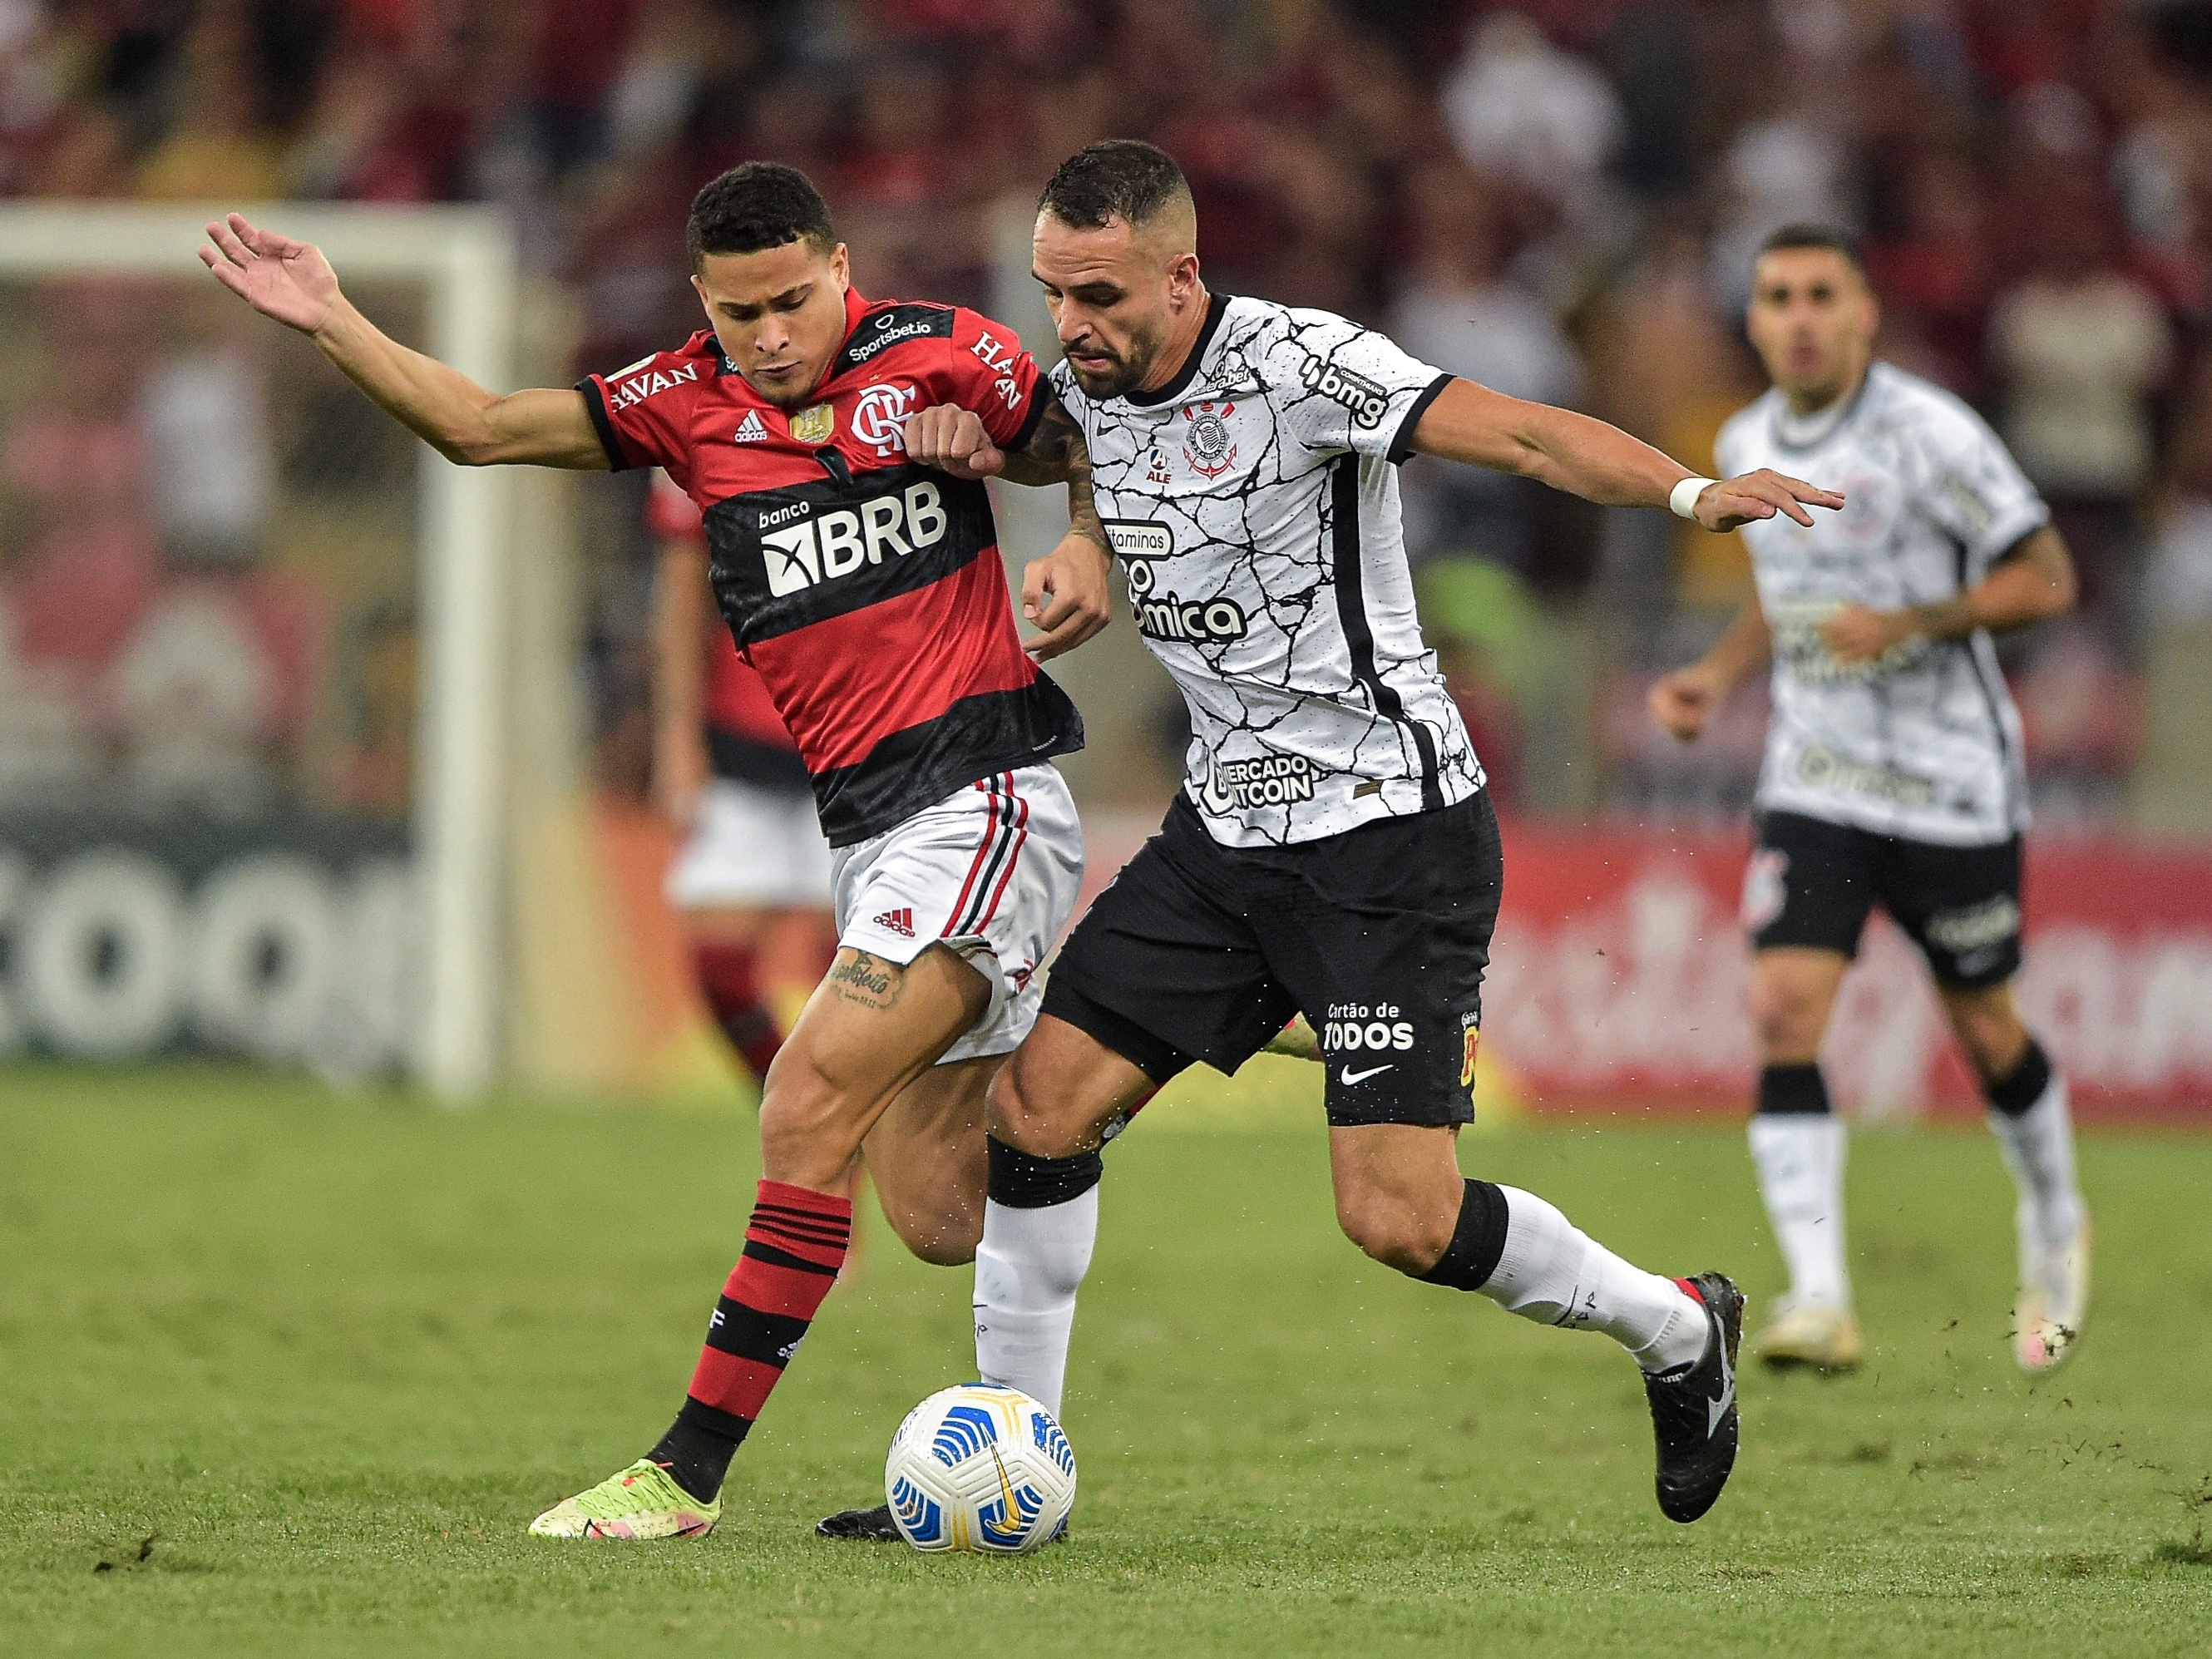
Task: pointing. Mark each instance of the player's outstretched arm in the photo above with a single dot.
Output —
(1065, 593)
(1599, 463)
(1684, 700)
(293, 282)
(2034, 581)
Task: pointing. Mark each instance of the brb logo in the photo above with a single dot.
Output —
(1169, 615)
(879, 417)
(803, 551)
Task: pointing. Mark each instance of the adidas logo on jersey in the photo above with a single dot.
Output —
(751, 430)
(899, 921)
(821, 550)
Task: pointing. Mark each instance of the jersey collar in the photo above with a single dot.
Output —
(856, 306)
(1217, 307)
(1796, 437)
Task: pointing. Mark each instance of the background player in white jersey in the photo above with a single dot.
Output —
(1893, 773)
(1333, 852)
(753, 882)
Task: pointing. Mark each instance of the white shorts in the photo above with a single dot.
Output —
(751, 848)
(992, 871)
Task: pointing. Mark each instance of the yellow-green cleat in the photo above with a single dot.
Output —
(640, 1503)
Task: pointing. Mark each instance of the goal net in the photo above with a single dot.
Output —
(250, 656)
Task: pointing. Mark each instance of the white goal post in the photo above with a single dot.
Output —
(463, 260)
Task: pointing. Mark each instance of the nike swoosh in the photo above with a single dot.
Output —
(1717, 1409)
(1350, 1076)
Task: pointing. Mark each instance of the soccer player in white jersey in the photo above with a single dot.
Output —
(1333, 852)
(1892, 774)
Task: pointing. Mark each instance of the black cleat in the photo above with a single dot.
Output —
(873, 1525)
(1693, 1411)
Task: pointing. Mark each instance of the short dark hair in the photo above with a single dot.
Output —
(760, 204)
(1115, 178)
(1833, 237)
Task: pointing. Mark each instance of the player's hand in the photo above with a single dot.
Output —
(679, 776)
(1684, 700)
(1065, 593)
(1857, 634)
(1760, 495)
(277, 276)
(952, 439)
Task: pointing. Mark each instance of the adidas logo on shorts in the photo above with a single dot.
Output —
(900, 921)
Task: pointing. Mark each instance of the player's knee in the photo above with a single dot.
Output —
(1024, 1115)
(1993, 1035)
(1397, 1233)
(1789, 1016)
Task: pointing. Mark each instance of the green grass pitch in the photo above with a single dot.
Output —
(285, 1372)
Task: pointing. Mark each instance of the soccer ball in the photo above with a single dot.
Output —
(979, 1468)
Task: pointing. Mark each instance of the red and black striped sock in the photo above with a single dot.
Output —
(729, 978)
(794, 1245)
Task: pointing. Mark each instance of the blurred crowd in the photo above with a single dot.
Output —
(1556, 198)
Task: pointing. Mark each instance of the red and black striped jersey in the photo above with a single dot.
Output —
(867, 590)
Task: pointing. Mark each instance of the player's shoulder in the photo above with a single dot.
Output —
(1265, 330)
(1921, 410)
(890, 328)
(697, 362)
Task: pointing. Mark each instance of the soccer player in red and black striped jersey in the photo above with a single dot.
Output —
(868, 592)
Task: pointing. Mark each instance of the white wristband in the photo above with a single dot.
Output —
(1682, 502)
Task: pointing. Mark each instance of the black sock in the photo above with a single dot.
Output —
(1022, 1182)
(2015, 1094)
(696, 1452)
(1477, 1241)
(1793, 1091)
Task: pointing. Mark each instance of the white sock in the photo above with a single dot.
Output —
(2038, 1149)
(1553, 1273)
(1800, 1175)
(1027, 1271)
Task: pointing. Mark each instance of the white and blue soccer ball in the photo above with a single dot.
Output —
(979, 1468)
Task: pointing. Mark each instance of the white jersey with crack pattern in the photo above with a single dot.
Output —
(1923, 741)
(1254, 503)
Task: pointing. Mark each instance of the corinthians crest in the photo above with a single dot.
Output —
(1207, 446)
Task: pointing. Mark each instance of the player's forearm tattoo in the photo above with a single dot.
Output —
(869, 981)
(1055, 453)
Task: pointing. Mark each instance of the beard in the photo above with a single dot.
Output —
(1124, 372)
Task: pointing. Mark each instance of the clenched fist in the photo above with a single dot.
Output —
(952, 439)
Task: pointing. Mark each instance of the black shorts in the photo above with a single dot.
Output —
(1811, 882)
(1379, 936)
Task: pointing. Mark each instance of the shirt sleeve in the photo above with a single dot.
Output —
(669, 513)
(642, 413)
(992, 377)
(1974, 491)
(1341, 387)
